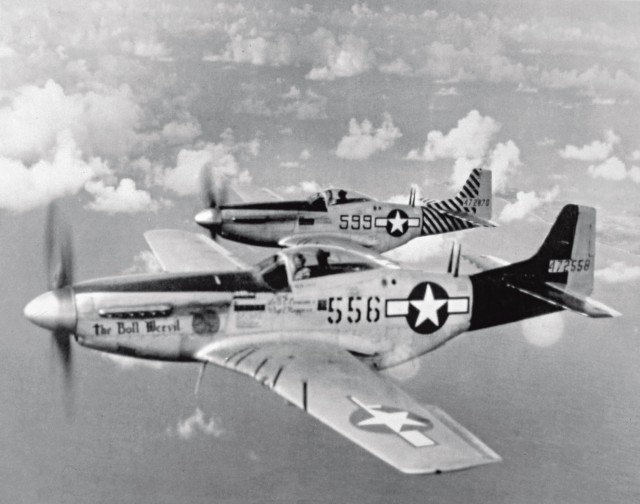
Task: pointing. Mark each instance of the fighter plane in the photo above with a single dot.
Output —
(314, 324)
(338, 216)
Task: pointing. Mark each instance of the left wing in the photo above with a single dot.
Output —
(342, 392)
(183, 252)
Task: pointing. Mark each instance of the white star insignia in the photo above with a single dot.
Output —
(397, 223)
(428, 308)
(395, 421)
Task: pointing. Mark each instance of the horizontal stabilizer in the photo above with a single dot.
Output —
(557, 296)
(470, 218)
(486, 262)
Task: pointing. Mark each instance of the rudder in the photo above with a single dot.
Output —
(475, 195)
(567, 255)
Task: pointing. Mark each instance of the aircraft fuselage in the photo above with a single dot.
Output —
(386, 317)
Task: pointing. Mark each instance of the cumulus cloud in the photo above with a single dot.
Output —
(181, 132)
(196, 423)
(346, 57)
(469, 139)
(595, 151)
(615, 169)
(122, 198)
(618, 272)
(60, 172)
(257, 51)
(396, 67)
(363, 140)
(309, 105)
(184, 178)
(503, 162)
(525, 203)
(306, 186)
(144, 262)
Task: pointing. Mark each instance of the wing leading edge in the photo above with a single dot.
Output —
(336, 388)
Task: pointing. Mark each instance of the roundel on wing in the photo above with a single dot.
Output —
(428, 308)
(397, 222)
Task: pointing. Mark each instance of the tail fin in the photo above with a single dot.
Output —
(567, 256)
(475, 195)
(558, 276)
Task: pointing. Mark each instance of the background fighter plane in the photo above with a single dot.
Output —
(318, 338)
(338, 216)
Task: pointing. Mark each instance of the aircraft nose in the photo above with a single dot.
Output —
(53, 310)
(206, 217)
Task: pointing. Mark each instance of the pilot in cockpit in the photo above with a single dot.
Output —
(300, 271)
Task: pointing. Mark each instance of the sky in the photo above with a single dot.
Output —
(113, 108)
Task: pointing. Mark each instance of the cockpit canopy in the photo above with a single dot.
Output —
(313, 261)
(334, 196)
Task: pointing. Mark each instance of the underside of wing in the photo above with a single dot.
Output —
(342, 392)
(182, 252)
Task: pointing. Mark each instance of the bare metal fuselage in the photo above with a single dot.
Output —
(365, 223)
(172, 317)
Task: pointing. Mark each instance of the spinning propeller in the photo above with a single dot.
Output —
(55, 310)
(215, 193)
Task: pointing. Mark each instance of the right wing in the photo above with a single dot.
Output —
(342, 392)
(183, 252)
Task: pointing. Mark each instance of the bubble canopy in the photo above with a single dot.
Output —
(313, 261)
(336, 196)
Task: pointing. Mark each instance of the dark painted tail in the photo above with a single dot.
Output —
(558, 276)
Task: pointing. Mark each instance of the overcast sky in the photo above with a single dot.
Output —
(116, 106)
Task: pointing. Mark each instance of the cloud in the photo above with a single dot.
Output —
(259, 51)
(347, 57)
(525, 203)
(448, 91)
(194, 424)
(396, 67)
(309, 105)
(144, 262)
(181, 132)
(290, 164)
(363, 140)
(503, 162)
(184, 178)
(61, 172)
(618, 272)
(595, 151)
(469, 139)
(305, 155)
(123, 198)
(543, 331)
(306, 186)
(614, 169)
(103, 124)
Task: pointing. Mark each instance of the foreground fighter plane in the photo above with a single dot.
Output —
(337, 216)
(314, 323)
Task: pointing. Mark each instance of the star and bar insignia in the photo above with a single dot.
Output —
(427, 308)
(397, 222)
(386, 419)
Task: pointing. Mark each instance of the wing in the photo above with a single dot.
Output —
(324, 239)
(342, 392)
(183, 252)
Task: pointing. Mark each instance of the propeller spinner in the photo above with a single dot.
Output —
(214, 195)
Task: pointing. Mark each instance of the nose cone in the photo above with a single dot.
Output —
(53, 310)
(206, 218)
